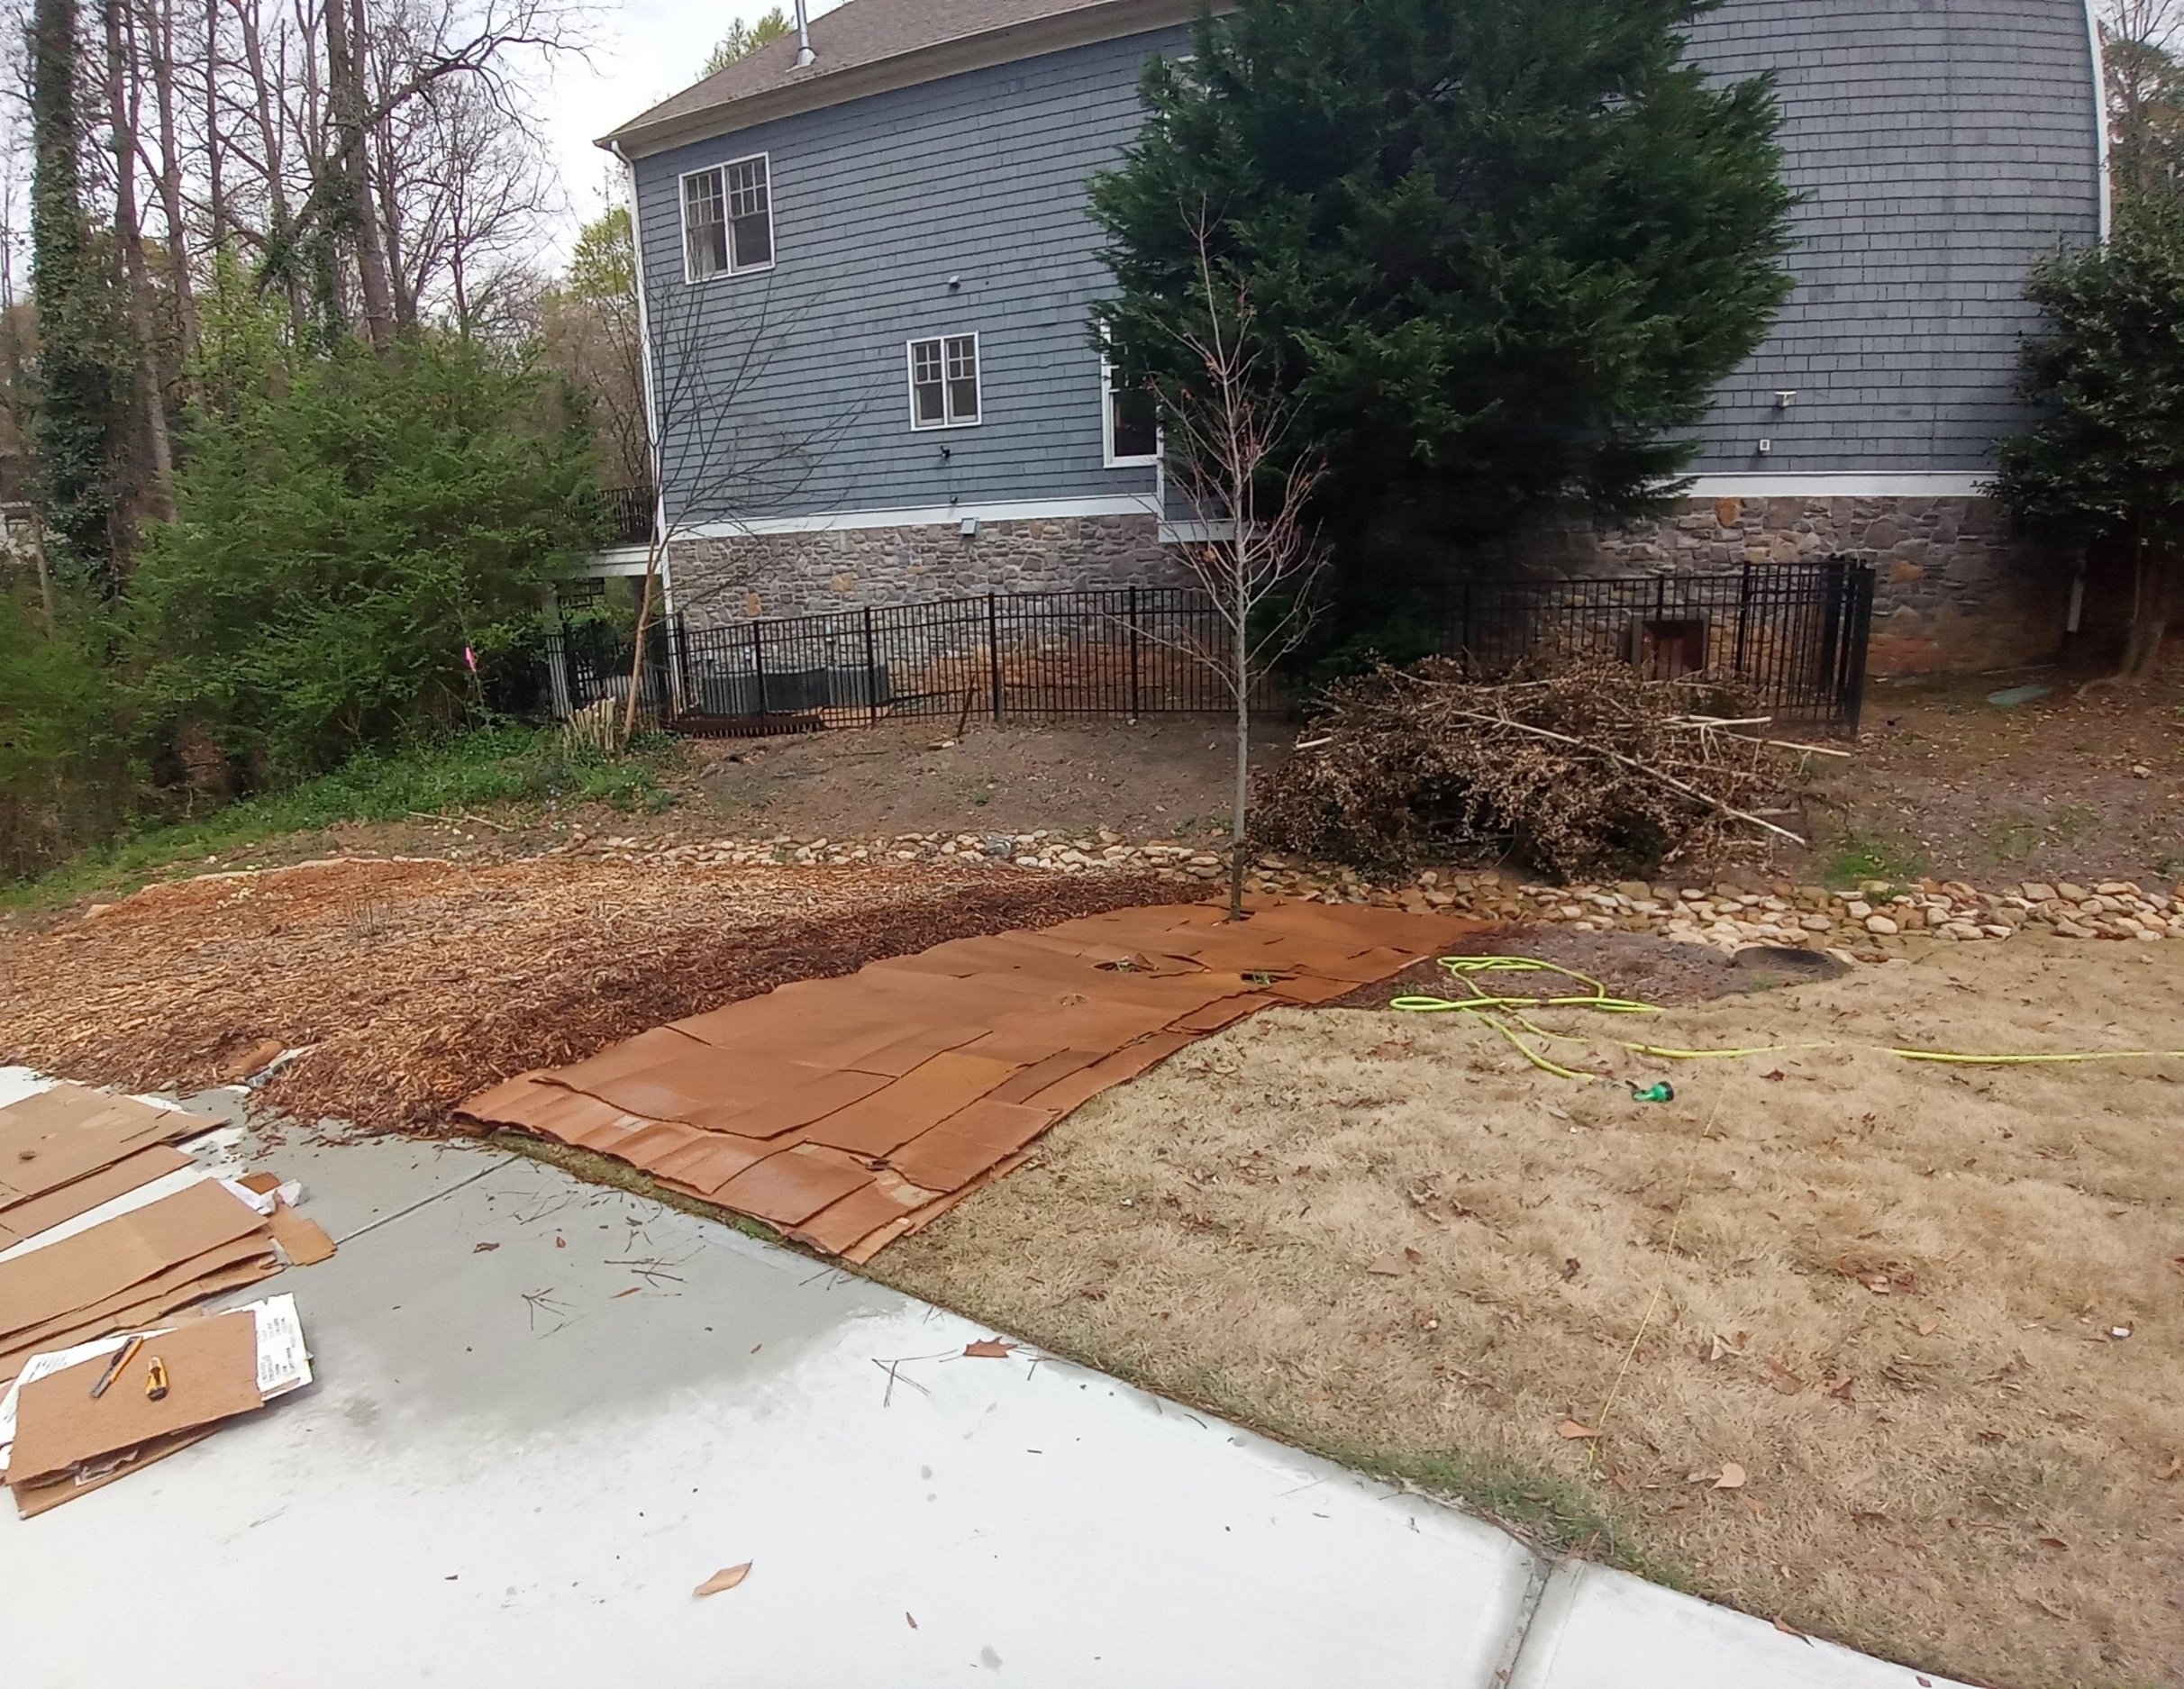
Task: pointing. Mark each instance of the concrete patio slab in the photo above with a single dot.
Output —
(520, 1459)
(1596, 1629)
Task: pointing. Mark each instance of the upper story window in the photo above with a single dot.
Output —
(944, 381)
(1130, 422)
(727, 218)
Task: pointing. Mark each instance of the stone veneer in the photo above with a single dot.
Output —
(1954, 592)
(719, 581)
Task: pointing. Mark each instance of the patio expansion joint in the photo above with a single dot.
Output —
(1527, 1612)
(493, 1166)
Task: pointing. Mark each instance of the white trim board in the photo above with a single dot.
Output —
(1854, 483)
(930, 516)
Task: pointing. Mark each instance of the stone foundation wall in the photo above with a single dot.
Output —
(719, 581)
(1955, 592)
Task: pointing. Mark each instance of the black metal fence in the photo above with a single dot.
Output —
(1793, 634)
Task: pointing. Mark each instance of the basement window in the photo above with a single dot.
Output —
(944, 381)
(727, 213)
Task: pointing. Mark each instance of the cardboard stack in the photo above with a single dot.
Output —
(107, 1228)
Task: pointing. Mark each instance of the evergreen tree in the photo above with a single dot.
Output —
(78, 423)
(2105, 464)
(1501, 249)
(742, 39)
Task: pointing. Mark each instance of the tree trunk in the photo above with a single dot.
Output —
(1240, 679)
(2151, 567)
(214, 145)
(645, 617)
(161, 15)
(137, 286)
(345, 50)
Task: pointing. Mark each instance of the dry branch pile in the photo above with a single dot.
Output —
(1590, 770)
(415, 983)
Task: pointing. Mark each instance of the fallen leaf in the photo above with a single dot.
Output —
(1927, 1328)
(480, 1248)
(1732, 1477)
(2053, 1542)
(1781, 1378)
(631, 1291)
(1838, 1384)
(727, 1578)
(1413, 1256)
(912, 1618)
(1787, 1630)
(1620, 1479)
(1387, 1267)
(560, 1242)
(2175, 1466)
(1571, 1267)
(1575, 1430)
(1776, 1077)
(988, 1348)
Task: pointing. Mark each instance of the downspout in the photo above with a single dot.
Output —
(656, 450)
(2101, 140)
(803, 34)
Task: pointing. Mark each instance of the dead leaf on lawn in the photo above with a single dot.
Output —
(1413, 1256)
(1620, 1479)
(480, 1248)
(727, 1578)
(988, 1348)
(2175, 1466)
(1571, 1267)
(1575, 1430)
(1732, 1477)
(1838, 1384)
(1387, 1267)
(1789, 1630)
(1781, 1378)
(1927, 1328)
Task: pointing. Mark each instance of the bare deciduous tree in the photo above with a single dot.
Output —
(1251, 549)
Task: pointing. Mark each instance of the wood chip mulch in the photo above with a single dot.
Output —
(414, 984)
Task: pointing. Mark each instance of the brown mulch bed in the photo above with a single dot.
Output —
(415, 984)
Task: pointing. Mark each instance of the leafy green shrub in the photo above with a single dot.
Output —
(346, 529)
(63, 777)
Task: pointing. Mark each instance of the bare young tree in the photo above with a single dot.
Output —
(714, 462)
(1251, 549)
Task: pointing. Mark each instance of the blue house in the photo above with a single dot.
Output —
(866, 265)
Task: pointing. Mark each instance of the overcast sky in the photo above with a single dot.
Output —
(648, 48)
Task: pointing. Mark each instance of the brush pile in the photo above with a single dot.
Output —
(1591, 770)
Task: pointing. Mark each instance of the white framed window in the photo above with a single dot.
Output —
(1129, 422)
(727, 213)
(944, 381)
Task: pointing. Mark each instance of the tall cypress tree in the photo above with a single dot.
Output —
(1499, 251)
(78, 430)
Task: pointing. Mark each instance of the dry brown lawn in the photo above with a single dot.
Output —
(1929, 1316)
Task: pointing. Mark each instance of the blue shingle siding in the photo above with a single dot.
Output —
(1945, 146)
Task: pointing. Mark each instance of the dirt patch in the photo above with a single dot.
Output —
(417, 983)
(1888, 1351)
(1167, 779)
(1633, 964)
(1946, 783)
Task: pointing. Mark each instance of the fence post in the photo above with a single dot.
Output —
(992, 649)
(871, 671)
(1833, 593)
(1744, 615)
(758, 664)
(1133, 651)
(1856, 638)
